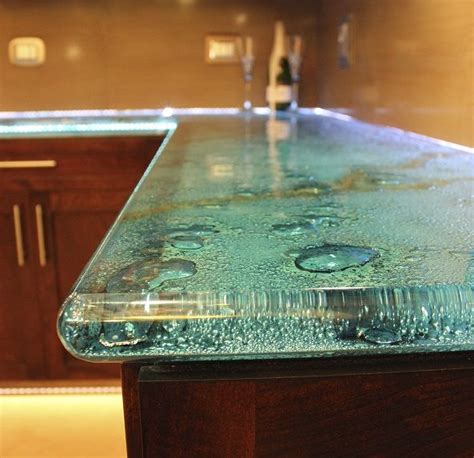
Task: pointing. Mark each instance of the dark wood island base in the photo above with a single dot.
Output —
(415, 405)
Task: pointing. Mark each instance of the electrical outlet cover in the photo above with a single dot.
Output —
(222, 49)
(27, 51)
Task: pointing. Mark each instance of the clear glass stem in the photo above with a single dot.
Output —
(294, 96)
(247, 106)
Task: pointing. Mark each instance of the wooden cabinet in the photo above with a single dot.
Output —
(51, 221)
(21, 345)
(378, 406)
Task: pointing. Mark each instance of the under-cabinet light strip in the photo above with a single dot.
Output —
(88, 127)
(60, 390)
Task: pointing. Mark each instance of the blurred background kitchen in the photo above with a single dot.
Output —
(403, 63)
(411, 59)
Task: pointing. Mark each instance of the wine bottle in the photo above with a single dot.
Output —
(284, 84)
(279, 87)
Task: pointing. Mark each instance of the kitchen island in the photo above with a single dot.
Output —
(290, 285)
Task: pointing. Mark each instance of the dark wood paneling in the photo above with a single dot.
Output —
(415, 414)
(85, 156)
(80, 199)
(79, 221)
(207, 419)
(21, 341)
(394, 406)
(131, 409)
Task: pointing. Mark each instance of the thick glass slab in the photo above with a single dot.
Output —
(255, 237)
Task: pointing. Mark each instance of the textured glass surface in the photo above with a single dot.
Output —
(253, 237)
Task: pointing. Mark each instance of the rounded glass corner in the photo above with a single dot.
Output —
(74, 331)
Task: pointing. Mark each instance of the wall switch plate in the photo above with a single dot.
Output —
(222, 49)
(27, 51)
(344, 42)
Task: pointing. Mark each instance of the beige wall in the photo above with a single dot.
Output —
(142, 53)
(413, 59)
(413, 64)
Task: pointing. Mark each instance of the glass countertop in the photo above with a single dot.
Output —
(252, 237)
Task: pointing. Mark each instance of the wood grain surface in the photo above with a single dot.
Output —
(300, 409)
(80, 199)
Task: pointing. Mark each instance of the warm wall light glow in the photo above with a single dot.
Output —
(58, 426)
(73, 52)
(27, 390)
(240, 19)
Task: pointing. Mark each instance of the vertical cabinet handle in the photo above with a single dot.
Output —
(20, 252)
(40, 234)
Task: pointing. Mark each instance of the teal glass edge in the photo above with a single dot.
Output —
(269, 324)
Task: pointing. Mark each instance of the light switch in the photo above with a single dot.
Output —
(222, 48)
(26, 51)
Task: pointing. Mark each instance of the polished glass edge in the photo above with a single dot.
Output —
(117, 307)
(434, 318)
(90, 127)
(345, 117)
(170, 111)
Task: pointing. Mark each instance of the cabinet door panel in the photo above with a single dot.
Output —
(21, 347)
(77, 237)
(76, 201)
(73, 156)
(79, 222)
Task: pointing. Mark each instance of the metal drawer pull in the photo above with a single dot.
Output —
(40, 234)
(20, 252)
(28, 164)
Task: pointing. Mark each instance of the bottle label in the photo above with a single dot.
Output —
(279, 94)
